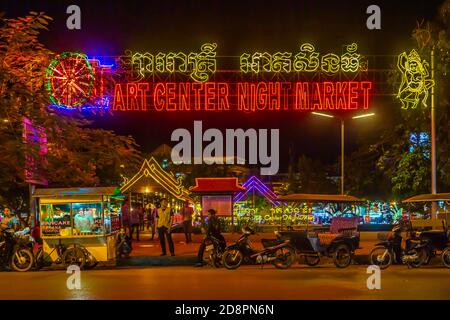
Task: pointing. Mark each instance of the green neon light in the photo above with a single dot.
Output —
(415, 80)
(69, 79)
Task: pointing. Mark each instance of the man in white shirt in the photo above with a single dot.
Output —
(163, 224)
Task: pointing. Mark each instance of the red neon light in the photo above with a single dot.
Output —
(243, 96)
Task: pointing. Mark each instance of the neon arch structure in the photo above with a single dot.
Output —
(254, 184)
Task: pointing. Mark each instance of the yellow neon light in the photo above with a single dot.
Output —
(151, 168)
(200, 66)
(415, 80)
(307, 60)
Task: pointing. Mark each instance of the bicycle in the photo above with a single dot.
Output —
(73, 254)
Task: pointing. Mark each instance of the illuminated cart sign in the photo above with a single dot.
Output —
(176, 81)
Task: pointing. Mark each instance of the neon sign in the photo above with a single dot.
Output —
(307, 60)
(415, 80)
(199, 66)
(242, 96)
(177, 81)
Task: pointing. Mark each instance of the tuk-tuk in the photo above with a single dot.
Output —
(339, 241)
(437, 239)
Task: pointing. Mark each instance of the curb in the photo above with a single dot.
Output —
(190, 261)
(157, 261)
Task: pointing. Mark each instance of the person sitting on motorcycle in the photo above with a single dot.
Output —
(212, 230)
(9, 220)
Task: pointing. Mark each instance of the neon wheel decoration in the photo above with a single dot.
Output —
(69, 80)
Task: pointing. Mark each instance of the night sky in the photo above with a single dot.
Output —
(110, 27)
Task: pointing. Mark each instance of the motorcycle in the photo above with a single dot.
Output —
(124, 245)
(436, 241)
(280, 253)
(214, 251)
(16, 249)
(387, 252)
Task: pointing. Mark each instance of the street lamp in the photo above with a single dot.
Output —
(364, 115)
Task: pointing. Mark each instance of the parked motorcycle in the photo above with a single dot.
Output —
(387, 252)
(446, 256)
(436, 241)
(124, 245)
(15, 249)
(214, 250)
(280, 253)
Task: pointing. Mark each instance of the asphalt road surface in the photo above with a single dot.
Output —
(248, 282)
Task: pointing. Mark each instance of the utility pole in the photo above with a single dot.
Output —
(342, 155)
(433, 139)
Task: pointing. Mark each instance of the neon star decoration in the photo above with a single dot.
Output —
(415, 82)
(69, 80)
(254, 184)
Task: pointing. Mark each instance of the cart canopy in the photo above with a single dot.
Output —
(429, 197)
(71, 195)
(309, 197)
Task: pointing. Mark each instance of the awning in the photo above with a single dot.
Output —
(216, 185)
(63, 192)
(74, 195)
(309, 197)
(429, 197)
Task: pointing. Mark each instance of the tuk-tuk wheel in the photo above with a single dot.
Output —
(342, 256)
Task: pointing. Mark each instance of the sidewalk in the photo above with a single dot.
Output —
(147, 252)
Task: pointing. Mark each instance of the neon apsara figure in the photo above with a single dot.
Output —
(415, 80)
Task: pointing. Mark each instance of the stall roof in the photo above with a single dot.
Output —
(61, 192)
(151, 176)
(319, 197)
(428, 197)
(216, 185)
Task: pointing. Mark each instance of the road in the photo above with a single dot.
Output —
(248, 282)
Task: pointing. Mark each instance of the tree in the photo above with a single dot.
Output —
(401, 159)
(77, 154)
(314, 177)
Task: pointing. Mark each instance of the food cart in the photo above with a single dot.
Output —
(88, 217)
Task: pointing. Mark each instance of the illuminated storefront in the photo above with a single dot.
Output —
(86, 216)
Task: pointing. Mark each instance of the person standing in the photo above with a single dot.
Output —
(141, 218)
(150, 214)
(164, 216)
(125, 216)
(134, 221)
(186, 213)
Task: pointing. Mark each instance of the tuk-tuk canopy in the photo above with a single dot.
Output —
(429, 197)
(309, 197)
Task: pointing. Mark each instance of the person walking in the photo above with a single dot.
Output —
(186, 213)
(134, 221)
(163, 224)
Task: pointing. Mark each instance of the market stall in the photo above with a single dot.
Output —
(88, 217)
(217, 194)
